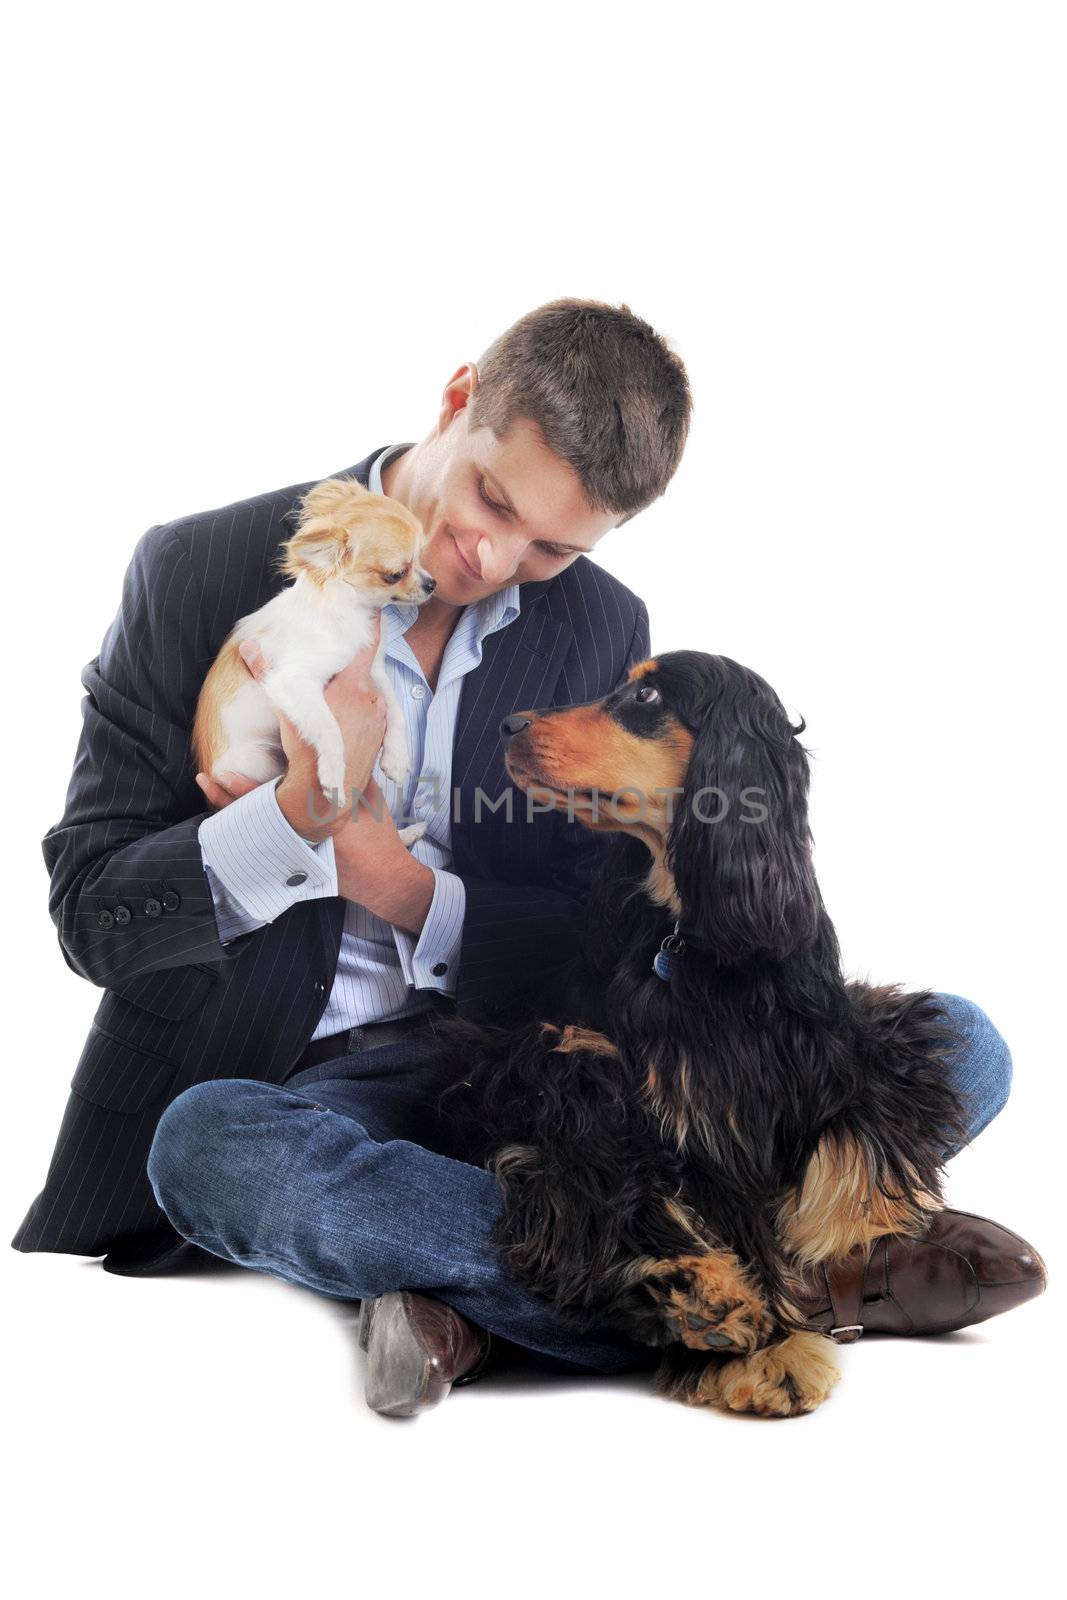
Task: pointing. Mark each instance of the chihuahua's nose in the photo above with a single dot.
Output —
(429, 584)
(513, 725)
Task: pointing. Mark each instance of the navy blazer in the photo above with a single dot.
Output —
(131, 901)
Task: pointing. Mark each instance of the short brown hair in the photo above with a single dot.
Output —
(608, 394)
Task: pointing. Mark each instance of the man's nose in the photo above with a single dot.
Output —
(498, 559)
(513, 725)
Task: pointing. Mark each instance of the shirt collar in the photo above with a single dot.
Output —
(494, 612)
(378, 465)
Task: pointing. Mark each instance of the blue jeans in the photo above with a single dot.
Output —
(315, 1182)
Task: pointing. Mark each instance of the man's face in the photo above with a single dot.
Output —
(495, 511)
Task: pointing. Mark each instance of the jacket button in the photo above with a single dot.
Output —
(152, 908)
(171, 901)
(320, 987)
(123, 914)
(439, 969)
(106, 920)
(296, 879)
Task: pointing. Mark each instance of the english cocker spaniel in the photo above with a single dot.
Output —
(706, 1106)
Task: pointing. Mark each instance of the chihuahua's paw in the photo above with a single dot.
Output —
(331, 773)
(395, 763)
(409, 835)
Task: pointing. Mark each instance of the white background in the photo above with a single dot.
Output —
(250, 244)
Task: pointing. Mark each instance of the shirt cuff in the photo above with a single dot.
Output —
(261, 862)
(432, 961)
(231, 918)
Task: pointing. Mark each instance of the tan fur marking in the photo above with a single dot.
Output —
(659, 880)
(713, 1288)
(575, 1038)
(574, 752)
(840, 1206)
(685, 1218)
(225, 677)
(681, 1119)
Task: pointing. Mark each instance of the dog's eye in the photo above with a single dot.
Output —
(646, 694)
(393, 577)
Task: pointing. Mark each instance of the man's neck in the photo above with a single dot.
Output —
(396, 474)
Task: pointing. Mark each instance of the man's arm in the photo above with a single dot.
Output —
(129, 894)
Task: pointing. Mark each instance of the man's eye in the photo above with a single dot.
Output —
(646, 694)
(550, 550)
(493, 505)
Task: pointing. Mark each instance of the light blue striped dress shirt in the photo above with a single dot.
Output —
(249, 850)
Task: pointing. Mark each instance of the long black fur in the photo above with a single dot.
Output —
(781, 1050)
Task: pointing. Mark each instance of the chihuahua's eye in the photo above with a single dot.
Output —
(646, 694)
(394, 577)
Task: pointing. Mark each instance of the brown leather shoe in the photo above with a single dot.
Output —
(960, 1270)
(417, 1348)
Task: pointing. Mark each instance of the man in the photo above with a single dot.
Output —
(271, 976)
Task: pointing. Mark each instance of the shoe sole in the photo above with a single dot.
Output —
(366, 1318)
(399, 1381)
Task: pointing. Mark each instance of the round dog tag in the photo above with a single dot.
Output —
(668, 957)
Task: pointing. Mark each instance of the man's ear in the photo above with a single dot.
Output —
(740, 847)
(458, 393)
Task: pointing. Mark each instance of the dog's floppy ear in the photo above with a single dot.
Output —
(740, 848)
(321, 539)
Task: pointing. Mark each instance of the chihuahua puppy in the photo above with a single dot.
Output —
(352, 553)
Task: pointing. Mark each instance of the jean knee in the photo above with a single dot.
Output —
(983, 1069)
(190, 1136)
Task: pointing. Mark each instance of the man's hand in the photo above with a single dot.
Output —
(375, 869)
(223, 793)
(359, 709)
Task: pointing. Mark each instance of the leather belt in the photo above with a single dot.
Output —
(364, 1036)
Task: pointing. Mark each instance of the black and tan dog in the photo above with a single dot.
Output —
(707, 1106)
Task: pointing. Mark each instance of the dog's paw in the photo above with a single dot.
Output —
(395, 763)
(409, 835)
(331, 775)
(781, 1380)
(708, 1303)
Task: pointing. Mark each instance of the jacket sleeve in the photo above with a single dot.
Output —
(513, 930)
(129, 894)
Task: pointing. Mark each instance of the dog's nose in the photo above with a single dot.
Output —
(513, 725)
(429, 584)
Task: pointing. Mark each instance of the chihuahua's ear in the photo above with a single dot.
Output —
(318, 546)
(331, 498)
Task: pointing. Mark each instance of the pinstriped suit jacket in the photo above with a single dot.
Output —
(130, 898)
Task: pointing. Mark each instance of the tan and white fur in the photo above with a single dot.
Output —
(352, 553)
